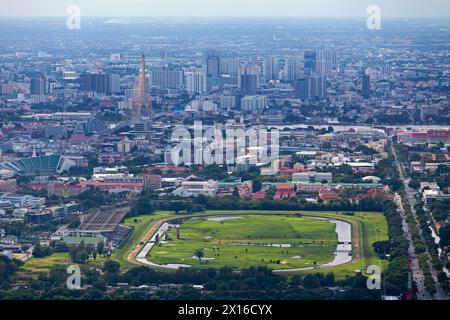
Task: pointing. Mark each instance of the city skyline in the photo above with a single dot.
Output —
(233, 8)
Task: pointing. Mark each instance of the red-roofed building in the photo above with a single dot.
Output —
(430, 136)
(245, 189)
(284, 191)
(64, 190)
(327, 195)
(258, 195)
(115, 186)
(78, 138)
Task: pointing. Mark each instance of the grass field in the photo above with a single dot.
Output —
(278, 242)
(43, 265)
(372, 226)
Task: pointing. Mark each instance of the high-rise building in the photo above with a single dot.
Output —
(213, 66)
(196, 82)
(167, 78)
(272, 68)
(230, 67)
(318, 87)
(293, 68)
(253, 103)
(102, 83)
(249, 84)
(38, 86)
(302, 89)
(311, 88)
(325, 61)
(365, 86)
(114, 83)
(213, 72)
(310, 58)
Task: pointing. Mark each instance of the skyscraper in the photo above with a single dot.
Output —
(230, 67)
(271, 68)
(293, 68)
(101, 83)
(196, 82)
(310, 59)
(365, 86)
(249, 84)
(38, 86)
(302, 89)
(212, 62)
(167, 78)
(325, 61)
(318, 87)
(312, 87)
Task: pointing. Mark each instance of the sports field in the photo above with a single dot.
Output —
(367, 228)
(278, 242)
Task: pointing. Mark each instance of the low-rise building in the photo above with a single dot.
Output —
(312, 177)
(196, 188)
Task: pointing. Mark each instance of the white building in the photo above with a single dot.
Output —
(312, 177)
(253, 104)
(23, 201)
(196, 188)
(6, 174)
(431, 196)
(196, 82)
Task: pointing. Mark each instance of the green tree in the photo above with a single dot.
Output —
(199, 254)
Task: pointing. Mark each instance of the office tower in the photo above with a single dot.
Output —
(249, 84)
(196, 82)
(325, 61)
(142, 99)
(213, 67)
(230, 67)
(95, 82)
(311, 88)
(271, 70)
(38, 86)
(166, 78)
(317, 87)
(302, 89)
(310, 58)
(293, 67)
(212, 63)
(101, 83)
(114, 83)
(365, 86)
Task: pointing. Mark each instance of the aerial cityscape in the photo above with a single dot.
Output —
(224, 157)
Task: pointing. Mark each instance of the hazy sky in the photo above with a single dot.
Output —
(301, 8)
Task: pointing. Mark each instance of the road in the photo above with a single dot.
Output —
(417, 273)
